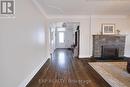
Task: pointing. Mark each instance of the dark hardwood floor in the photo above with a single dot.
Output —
(65, 71)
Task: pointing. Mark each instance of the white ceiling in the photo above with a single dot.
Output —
(85, 7)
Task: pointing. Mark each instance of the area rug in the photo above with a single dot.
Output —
(114, 73)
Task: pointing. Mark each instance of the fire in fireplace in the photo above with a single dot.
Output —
(110, 52)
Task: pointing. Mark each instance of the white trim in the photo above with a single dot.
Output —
(86, 16)
(68, 16)
(127, 56)
(109, 16)
(85, 56)
(29, 78)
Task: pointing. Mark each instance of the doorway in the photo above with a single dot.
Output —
(64, 38)
(65, 35)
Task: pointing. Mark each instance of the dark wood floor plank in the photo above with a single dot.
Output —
(65, 71)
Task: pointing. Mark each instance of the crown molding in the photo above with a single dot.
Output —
(68, 16)
(109, 16)
(40, 8)
(85, 16)
(74, 16)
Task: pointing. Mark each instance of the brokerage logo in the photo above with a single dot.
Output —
(7, 8)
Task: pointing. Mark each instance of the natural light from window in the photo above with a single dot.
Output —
(61, 29)
(61, 37)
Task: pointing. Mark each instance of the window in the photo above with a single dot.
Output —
(61, 37)
(61, 29)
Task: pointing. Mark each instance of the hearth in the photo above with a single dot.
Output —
(109, 52)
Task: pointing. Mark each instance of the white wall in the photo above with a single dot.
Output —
(127, 50)
(90, 25)
(22, 44)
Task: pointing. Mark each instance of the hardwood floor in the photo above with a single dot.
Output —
(65, 71)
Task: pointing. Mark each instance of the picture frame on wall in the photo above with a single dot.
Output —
(108, 29)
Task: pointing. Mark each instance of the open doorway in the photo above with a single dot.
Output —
(65, 35)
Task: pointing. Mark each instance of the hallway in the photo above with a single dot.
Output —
(65, 71)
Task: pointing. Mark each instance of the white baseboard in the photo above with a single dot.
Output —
(84, 56)
(29, 78)
(127, 56)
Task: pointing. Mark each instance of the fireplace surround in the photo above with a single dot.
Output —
(108, 46)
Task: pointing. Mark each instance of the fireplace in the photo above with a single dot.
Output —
(109, 52)
(108, 46)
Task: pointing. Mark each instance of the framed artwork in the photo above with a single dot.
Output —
(108, 29)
